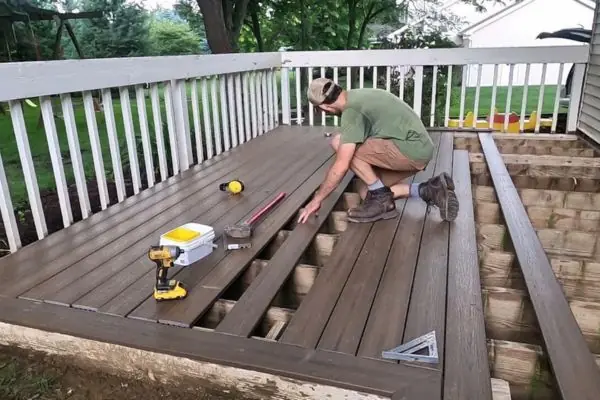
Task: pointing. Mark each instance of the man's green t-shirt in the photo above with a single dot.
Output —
(378, 113)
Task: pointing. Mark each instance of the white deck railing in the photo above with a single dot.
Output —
(233, 98)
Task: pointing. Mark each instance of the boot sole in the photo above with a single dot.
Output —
(386, 215)
(450, 210)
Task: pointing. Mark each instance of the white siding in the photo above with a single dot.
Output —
(589, 117)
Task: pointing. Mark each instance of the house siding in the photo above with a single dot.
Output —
(589, 116)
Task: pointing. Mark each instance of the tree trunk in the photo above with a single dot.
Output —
(351, 23)
(217, 34)
(256, 26)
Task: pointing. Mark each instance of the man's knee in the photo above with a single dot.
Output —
(334, 141)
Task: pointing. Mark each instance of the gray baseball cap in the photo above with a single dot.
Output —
(319, 89)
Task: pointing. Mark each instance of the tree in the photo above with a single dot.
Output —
(223, 20)
(172, 38)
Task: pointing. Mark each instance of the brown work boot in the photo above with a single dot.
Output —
(439, 191)
(378, 204)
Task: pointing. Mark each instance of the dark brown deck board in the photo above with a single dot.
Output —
(573, 365)
(83, 277)
(344, 329)
(71, 238)
(259, 190)
(427, 308)
(307, 323)
(205, 289)
(466, 369)
(246, 314)
(384, 327)
(329, 368)
(104, 246)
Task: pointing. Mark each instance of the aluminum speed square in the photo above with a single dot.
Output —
(411, 351)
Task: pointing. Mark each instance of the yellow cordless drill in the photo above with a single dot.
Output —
(164, 257)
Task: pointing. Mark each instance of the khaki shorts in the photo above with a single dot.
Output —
(390, 165)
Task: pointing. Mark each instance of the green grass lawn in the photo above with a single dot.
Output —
(41, 156)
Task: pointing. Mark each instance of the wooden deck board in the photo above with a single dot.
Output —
(205, 288)
(78, 279)
(427, 308)
(101, 248)
(384, 328)
(466, 370)
(573, 365)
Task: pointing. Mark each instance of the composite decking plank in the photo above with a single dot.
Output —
(26, 277)
(427, 307)
(259, 191)
(205, 288)
(245, 315)
(68, 239)
(576, 373)
(307, 323)
(384, 327)
(341, 370)
(466, 369)
(344, 329)
(206, 209)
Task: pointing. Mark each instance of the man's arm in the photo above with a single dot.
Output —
(338, 170)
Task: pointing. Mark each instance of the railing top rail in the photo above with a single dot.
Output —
(445, 56)
(33, 79)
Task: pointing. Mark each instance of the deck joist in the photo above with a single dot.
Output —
(316, 304)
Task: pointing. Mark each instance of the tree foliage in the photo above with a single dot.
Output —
(168, 37)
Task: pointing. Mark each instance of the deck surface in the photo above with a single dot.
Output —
(378, 286)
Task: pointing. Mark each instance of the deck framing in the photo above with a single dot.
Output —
(378, 285)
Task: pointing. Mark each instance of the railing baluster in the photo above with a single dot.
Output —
(75, 154)
(336, 80)
(311, 116)
(158, 131)
(524, 100)
(206, 115)
(238, 106)
(7, 212)
(374, 77)
(145, 133)
(171, 127)
(253, 104)
(56, 160)
(575, 97)
(388, 78)
(33, 191)
(401, 84)
(270, 100)
(494, 92)
(348, 78)
(275, 99)
(265, 96)
(196, 116)
(215, 115)
(182, 120)
(463, 90)
(113, 142)
(540, 98)
(433, 90)
(477, 92)
(418, 91)
(90, 116)
(511, 72)
(298, 77)
(224, 113)
(259, 102)
(130, 138)
(247, 99)
(448, 96)
(556, 98)
(323, 117)
(286, 96)
(231, 106)
(361, 82)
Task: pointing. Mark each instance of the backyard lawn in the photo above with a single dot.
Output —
(43, 166)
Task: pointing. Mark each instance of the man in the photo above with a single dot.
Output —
(383, 141)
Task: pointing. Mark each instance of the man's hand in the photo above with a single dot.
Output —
(312, 207)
